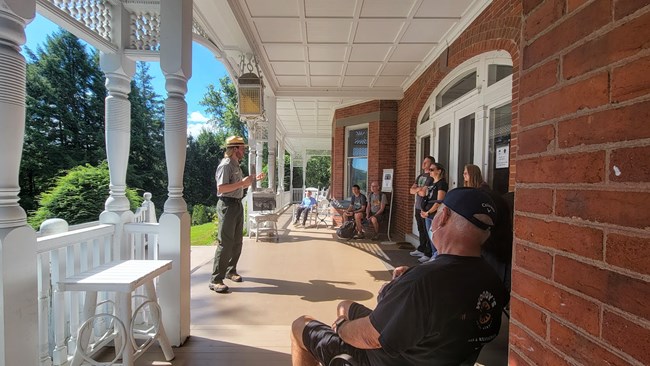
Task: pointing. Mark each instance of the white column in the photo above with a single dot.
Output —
(259, 160)
(304, 169)
(291, 173)
(281, 166)
(119, 71)
(19, 341)
(269, 105)
(252, 154)
(176, 64)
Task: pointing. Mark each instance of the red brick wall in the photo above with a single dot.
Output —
(381, 142)
(581, 291)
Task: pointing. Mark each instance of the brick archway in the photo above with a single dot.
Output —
(497, 28)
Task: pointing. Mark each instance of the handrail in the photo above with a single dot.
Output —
(62, 240)
(142, 228)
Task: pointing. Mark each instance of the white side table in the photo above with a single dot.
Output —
(121, 277)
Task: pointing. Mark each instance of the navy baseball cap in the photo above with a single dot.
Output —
(468, 202)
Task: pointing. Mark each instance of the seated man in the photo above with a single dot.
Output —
(356, 210)
(438, 313)
(305, 206)
(375, 210)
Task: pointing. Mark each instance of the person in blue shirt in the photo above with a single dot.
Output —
(303, 209)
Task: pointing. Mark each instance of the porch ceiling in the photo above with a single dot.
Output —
(318, 55)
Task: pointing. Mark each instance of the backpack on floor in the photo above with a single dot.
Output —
(346, 231)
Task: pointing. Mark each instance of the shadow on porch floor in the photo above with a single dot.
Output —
(307, 272)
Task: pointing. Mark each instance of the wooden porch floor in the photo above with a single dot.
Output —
(307, 272)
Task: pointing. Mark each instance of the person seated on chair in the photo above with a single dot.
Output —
(438, 313)
(305, 206)
(375, 210)
(356, 210)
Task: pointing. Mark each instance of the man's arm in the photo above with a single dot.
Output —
(414, 188)
(229, 187)
(359, 333)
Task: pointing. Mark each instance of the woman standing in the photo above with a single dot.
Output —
(472, 177)
(434, 192)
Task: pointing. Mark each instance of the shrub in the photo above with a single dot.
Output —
(215, 220)
(79, 196)
(200, 215)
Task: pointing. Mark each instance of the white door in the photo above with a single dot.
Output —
(459, 141)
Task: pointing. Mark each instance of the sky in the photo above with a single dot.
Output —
(206, 69)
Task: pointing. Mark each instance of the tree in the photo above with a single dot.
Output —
(147, 168)
(65, 113)
(78, 196)
(203, 156)
(319, 171)
(221, 106)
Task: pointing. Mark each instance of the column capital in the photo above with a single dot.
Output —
(175, 84)
(24, 9)
(119, 71)
(176, 36)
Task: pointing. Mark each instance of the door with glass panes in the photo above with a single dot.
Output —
(458, 141)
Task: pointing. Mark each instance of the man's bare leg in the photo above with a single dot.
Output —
(343, 308)
(300, 356)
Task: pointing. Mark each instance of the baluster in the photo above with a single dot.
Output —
(106, 16)
(60, 352)
(132, 30)
(71, 269)
(44, 288)
(86, 14)
(108, 249)
(136, 246)
(155, 32)
(139, 44)
(147, 31)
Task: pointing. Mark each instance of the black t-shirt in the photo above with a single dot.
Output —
(439, 313)
(432, 193)
(500, 241)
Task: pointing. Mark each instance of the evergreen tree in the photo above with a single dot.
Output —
(147, 167)
(203, 156)
(318, 171)
(64, 115)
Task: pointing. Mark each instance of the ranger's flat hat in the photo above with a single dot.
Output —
(233, 141)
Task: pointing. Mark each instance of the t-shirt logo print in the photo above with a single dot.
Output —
(486, 302)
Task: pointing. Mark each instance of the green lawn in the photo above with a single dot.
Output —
(202, 234)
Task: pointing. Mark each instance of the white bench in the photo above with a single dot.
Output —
(122, 278)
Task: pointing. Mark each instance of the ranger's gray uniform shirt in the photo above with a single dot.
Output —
(229, 172)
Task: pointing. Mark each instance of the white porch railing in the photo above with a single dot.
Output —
(68, 253)
(296, 195)
(284, 199)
